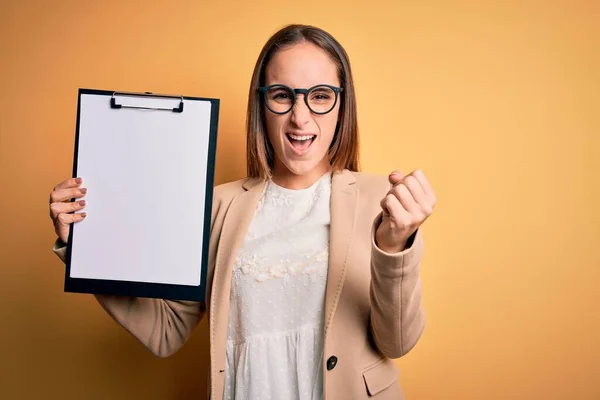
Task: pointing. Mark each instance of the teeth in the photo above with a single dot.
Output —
(304, 137)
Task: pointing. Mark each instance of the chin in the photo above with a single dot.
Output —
(301, 168)
(307, 166)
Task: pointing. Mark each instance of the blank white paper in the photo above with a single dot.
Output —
(145, 171)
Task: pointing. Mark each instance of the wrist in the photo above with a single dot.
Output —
(392, 249)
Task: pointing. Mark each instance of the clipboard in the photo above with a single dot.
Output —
(147, 161)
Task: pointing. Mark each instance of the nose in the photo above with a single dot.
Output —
(300, 112)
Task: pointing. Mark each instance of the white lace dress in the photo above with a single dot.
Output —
(275, 340)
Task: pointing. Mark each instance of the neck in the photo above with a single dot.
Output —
(283, 177)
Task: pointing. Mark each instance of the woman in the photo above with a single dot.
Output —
(313, 283)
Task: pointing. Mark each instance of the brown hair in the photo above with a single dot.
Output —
(343, 152)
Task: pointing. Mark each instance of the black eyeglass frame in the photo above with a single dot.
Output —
(264, 89)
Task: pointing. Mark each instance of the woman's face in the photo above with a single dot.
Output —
(300, 138)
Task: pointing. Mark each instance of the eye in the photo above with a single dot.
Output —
(321, 95)
(281, 95)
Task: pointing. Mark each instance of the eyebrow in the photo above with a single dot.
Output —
(301, 87)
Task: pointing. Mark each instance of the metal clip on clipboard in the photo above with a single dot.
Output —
(113, 101)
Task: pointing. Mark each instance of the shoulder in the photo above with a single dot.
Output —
(224, 193)
(228, 190)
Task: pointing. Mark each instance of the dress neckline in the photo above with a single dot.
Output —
(325, 176)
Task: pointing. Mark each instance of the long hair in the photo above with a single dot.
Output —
(343, 152)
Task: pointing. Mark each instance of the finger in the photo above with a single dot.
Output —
(395, 177)
(67, 194)
(383, 204)
(69, 183)
(67, 219)
(415, 189)
(420, 176)
(405, 198)
(395, 209)
(66, 207)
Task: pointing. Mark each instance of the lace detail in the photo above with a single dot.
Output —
(278, 196)
(312, 264)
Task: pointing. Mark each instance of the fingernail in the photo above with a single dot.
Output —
(84, 190)
(83, 215)
(78, 180)
(82, 203)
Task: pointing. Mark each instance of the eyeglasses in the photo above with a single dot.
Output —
(319, 99)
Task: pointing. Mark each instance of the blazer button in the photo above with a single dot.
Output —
(331, 363)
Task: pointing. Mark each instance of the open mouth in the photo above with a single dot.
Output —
(301, 142)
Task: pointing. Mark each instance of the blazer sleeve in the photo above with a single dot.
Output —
(397, 314)
(163, 326)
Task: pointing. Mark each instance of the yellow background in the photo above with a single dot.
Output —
(498, 102)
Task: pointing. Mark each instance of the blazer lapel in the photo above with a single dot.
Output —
(344, 199)
(235, 226)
